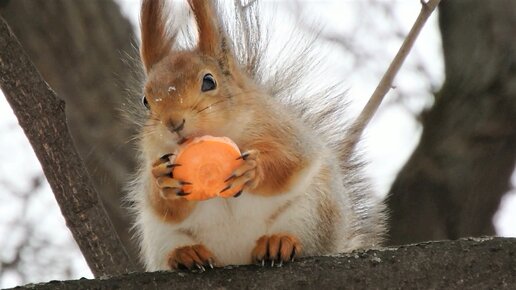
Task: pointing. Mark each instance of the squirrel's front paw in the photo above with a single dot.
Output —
(162, 172)
(245, 176)
(195, 257)
(277, 249)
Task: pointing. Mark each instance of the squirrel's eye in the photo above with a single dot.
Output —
(145, 102)
(208, 83)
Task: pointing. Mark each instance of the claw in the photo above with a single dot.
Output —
(200, 267)
(166, 157)
(173, 165)
(263, 263)
(238, 193)
(186, 183)
(280, 264)
(225, 188)
(272, 263)
(182, 193)
(243, 156)
(230, 177)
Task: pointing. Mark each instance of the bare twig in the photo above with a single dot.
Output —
(386, 82)
(42, 117)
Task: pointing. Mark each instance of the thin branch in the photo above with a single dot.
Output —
(386, 82)
(41, 115)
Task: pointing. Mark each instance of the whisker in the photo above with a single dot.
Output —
(242, 93)
(199, 100)
(209, 106)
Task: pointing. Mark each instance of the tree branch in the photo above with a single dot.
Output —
(386, 82)
(487, 263)
(41, 115)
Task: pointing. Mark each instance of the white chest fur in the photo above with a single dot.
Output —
(227, 227)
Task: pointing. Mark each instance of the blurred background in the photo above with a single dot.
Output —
(442, 147)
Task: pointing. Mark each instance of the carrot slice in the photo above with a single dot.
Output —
(206, 162)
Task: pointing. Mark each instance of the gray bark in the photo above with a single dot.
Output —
(42, 116)
(80, 47)
(452, 184)
(465, 264)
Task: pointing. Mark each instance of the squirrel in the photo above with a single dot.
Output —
(304, 191)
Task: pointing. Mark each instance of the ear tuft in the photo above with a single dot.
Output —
(211, 39)
(156, 43)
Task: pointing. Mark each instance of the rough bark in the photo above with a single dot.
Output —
(452, 184)
(474, 263)
(42, 116)
(79, 47)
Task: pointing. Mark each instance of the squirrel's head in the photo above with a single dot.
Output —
(190, 92)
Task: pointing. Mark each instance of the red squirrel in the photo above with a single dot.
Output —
(304, 193)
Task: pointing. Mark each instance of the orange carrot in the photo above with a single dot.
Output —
(206, 162)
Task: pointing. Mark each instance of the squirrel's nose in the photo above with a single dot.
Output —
(175, 126)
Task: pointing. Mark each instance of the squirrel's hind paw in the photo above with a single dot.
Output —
(193, 258)
(276, 249)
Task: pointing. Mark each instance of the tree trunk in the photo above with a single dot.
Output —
(452, 184)
(79, 47)
(42, 117)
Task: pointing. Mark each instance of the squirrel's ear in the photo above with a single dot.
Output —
(156, 43)
(212, 41)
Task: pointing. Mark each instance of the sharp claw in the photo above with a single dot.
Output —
(200, 267)
(166, 156)
(272, 263)
(211, 265)
(243, 156)
(280, 264)
(263, 263)
(229, 178)
(238, 193)
(225, 188)
(293, 255)
(182, 193)
(186, 183)
(173, 165)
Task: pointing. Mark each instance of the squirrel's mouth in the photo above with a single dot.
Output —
(182, 140)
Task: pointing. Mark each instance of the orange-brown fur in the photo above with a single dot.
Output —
(155, 41)
(291, 181)
(171, 210)
(188, 256)
(279, 160)
(278, 247)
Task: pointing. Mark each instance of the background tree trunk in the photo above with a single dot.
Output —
(79, 48)
(42, 116)
(452, 184)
